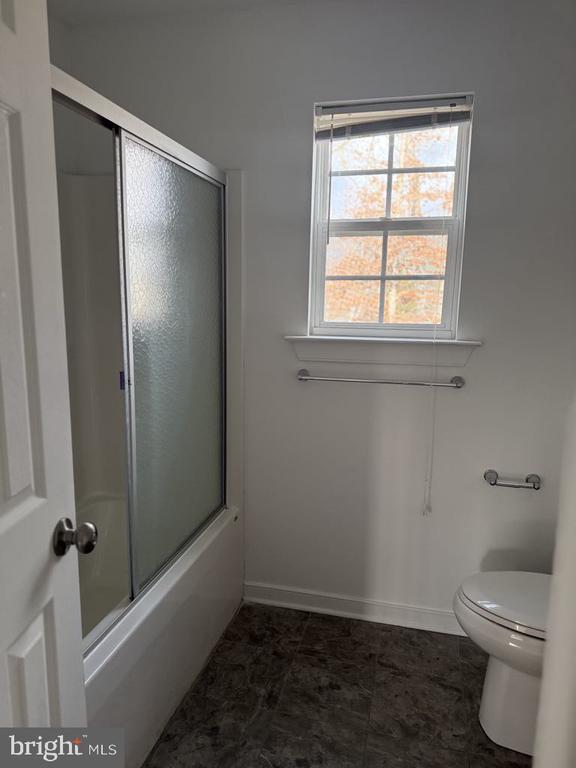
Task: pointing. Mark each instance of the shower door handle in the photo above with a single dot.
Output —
(84, 537)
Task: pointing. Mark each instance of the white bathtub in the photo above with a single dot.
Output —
(139, 671)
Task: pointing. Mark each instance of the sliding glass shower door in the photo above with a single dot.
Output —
(143, 272)
(174, 291)
(85, 159)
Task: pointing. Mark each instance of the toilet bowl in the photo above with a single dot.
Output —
(504, 613)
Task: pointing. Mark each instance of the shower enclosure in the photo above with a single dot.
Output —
(142, 242)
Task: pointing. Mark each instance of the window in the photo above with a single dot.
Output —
(388, 217)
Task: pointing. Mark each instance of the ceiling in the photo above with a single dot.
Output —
(78, 12)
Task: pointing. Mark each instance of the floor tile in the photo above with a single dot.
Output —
(401, 753)
(260, 625)
(342, 638)
(429, 652)
(210, 734)
(485, 753)
(501, 760)
(299, 741)
(344, 727)
(237, 670)
(205, 753)
(472, 685)
(358, 668)
(470, 653)
(414, 706)
(317, 685)
(285, 689)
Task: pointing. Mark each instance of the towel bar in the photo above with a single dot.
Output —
(456, 382)
(531, 483)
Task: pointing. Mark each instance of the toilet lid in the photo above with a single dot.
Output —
(512, 598)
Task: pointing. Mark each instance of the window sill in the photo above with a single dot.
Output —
(383, 351)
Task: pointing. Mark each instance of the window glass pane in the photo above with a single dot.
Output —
(416, 254)
(365, 153)
(413, 301)
(433, 146)
(354, 255)
(358, 197)
(352, 301)
(422, 194)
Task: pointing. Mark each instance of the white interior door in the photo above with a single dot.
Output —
(41, 673)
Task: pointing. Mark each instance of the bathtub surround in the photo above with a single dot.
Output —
(334, 473)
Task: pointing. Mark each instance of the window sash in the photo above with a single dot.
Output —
(452, 226)
(383, 277)
(397, 171)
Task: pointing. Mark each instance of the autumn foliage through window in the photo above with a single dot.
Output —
(389, 222)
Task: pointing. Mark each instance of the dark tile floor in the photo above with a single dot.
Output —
(291, 689)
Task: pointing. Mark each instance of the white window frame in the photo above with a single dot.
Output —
(452, 226)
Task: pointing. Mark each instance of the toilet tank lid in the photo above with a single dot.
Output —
(516, 596)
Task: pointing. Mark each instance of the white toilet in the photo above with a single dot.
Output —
(505, 614)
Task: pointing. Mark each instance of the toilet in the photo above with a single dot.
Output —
(505, 613)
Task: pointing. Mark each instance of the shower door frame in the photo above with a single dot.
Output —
(74, 94)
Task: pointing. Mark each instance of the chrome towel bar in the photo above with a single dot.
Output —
(456, 382)
(531, 483)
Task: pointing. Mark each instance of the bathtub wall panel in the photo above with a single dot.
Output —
(93, 330)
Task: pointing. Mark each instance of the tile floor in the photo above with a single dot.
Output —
(291, 689)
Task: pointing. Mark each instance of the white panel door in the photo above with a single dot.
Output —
(41, 671)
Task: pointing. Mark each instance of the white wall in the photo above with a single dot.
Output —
(334, 474)
(60, 35)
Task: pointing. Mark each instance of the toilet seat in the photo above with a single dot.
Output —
(513, 599)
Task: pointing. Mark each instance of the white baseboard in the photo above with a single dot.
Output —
(414, 616)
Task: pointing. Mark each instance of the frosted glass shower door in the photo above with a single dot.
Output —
(86, 152)
(174, 278)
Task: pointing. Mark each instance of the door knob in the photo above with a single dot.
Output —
(84, 537)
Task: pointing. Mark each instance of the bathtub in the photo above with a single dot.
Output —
(138, 672)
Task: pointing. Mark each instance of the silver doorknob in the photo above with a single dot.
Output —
(65, 535)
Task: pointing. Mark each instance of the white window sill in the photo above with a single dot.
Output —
(383, 351)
